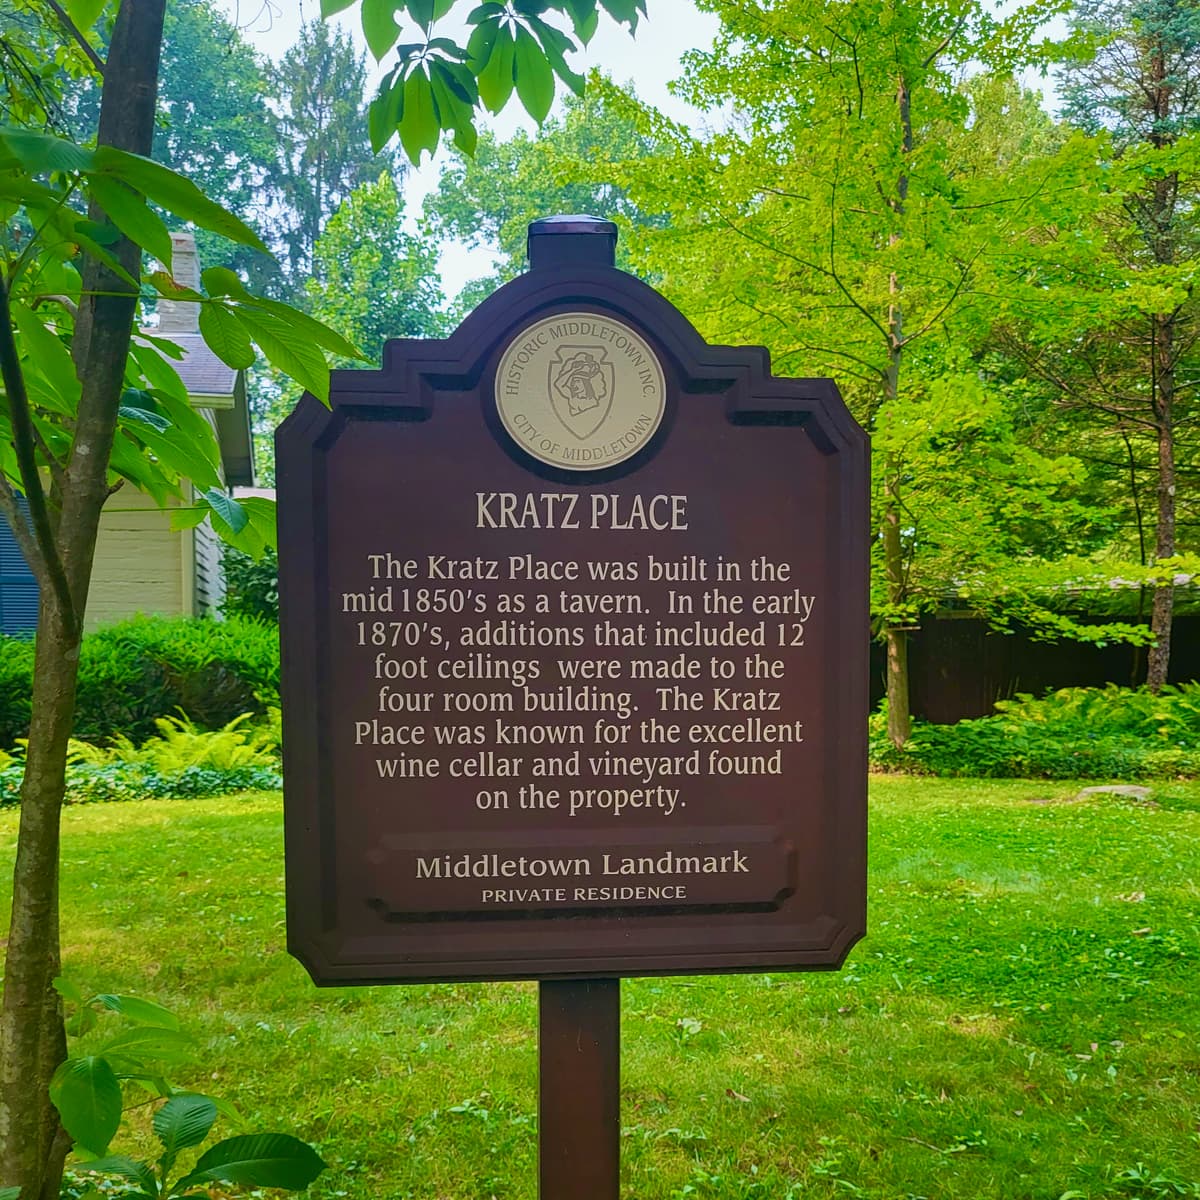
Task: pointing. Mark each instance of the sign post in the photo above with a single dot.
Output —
(579, 1089)
(573, 609)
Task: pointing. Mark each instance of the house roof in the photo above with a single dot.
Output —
(202, 372)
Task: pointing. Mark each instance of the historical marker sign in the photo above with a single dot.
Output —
(574, 620)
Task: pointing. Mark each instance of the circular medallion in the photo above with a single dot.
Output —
(580, 391)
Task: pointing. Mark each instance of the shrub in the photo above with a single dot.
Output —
(251, 588)
(16, 688)
(180, 762)
(135, 672)
(180, 746)
(96, 783)
(1073, 733)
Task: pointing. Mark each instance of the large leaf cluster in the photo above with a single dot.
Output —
(89, 1091)
(437, 86)
(162, 446)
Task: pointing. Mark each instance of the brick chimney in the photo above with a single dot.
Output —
(182, 316)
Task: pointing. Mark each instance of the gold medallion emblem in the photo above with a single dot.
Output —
(580, 391)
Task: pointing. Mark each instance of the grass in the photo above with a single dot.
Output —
(1023, 1020)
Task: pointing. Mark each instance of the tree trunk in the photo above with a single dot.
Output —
(32, 1039)
(899, 720)
(1161, 613)
(1164, 198)
(899, 717)
(31, 1031)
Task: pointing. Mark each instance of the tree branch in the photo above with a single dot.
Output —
(74, 31)
(936, 53)
(964, 275)
(20, 527)
(833, 273)
(57, 470)
(51, 571)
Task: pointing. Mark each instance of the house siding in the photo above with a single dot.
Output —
(210, 578)
(139, 565)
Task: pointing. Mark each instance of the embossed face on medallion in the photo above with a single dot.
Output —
(580, 391)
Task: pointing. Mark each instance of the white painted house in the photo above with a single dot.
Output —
(142, 565)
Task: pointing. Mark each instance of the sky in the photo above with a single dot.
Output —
(649, 60)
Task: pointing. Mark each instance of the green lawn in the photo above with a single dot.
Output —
(1022, 1021)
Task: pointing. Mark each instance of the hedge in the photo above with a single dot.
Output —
(136, 671)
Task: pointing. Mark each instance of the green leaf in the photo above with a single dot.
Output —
(85, 13)
(164, 281)
(48, 359)
(118, 1164)
(130, 461)
(458, 115)
(100, 232)
(144, 1012)
(383, 114)
(247, 541)
(466, 138)
(84, 1021)
(10, 1193)
(585, 17)
(291, 352)
(187, 518)
(225, 336)
(330, 8)
(133, 217)
(379, 26)
(158, 372)
(624, 12)
(176, 194)
(420, 124)
(227, 508)
(461, 82)
(127, 412)
(17, 187)
(190, 423)
(148, 1041)
(40, 153)
(221, 281)
(496, 76)
(556, 45)
(261, 512)
(186, 457)
(482, 40)
(257, 1160)
(421, 11)
(533, 75)
(68, 989)
(164, 345)
(184, 1121)
(484, 12)
(88, 1098)
(306, 326)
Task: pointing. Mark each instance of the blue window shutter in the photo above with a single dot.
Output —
(18, 587)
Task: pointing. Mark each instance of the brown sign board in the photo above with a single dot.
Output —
(573, 609)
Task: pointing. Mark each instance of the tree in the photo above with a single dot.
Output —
(489, 197)
(213, 122)
(86, 405)
(864, 219)
(371, 281)
(324, 151)
(1124, 351)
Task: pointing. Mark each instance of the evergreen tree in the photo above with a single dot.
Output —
(1133, 362)
(324, 149)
